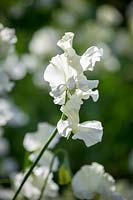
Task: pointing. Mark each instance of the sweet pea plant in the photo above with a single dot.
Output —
(69, 88)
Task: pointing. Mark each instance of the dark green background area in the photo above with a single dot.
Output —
(114, 108)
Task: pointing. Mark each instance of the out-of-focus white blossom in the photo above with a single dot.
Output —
(5, 112)
(109, 15)
(35, 141)
(7, 40)
(19, 118)
(14, 67)
(91, 180)
(33, 185)
(87, 34)
(45, 160)
(43, 42)
(31, 62)
(5, 84)
(123, 43)
(109, 62)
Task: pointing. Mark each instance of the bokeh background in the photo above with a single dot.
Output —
(39, 24)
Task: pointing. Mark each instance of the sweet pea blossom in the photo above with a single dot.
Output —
(33, 186)
(69, 87)
(90, 131)
(65, 71)
(34, 141)
(91, 180)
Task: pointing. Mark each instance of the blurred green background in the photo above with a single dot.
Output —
(108, 24)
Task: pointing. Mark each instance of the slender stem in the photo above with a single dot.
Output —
(50, 170)
(45, 181)
(35, 163)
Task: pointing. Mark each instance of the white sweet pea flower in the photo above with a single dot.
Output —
(65, 71)
(91, 180)
(34, 141)
(32, 187)
(61, 77)
(90, 131)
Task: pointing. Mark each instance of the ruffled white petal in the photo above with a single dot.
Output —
(66, 41)
(64, 128)
(90, 57)
(90, 132)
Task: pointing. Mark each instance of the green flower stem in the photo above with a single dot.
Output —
(35, 163)
(50, 170)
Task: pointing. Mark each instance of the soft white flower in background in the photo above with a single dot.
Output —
(31, 62)
(13, 66)
(43, 42)
(5, 84)
(33, 185)
(19, 117)
(5, 111)
(108, 15)
(45, 160)
(123, 43)
(109, 62)
(7, 41)
(91, 180)
(35, 141)
(87, 33)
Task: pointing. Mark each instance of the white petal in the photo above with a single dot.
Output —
(66, 41)
(54, 73)
(90, 132)
(59, 71)
(60, 100)
(64, 128)
(90, 57)
(95, 95)
(84, 84)
(71, 110)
